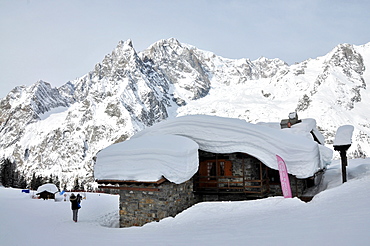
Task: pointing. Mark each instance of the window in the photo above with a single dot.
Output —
(215, 168)
(211, 171)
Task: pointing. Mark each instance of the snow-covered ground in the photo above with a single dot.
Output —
(339, 215)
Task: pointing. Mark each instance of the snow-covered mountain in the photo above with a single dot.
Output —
(58, 131)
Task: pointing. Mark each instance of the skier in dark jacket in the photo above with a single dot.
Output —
(75, 205)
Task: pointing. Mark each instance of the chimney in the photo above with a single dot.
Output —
(293, 119)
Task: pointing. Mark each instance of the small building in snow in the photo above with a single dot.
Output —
(47, 191)
(174, 164)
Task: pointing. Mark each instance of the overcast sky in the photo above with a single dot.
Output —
(60, 40)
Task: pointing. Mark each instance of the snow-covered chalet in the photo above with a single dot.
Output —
(176, 163)
(47, 191)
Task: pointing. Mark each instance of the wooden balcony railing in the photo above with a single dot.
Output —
(230, 184)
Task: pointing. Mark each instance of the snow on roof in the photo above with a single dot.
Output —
(295, 145)
(343, 136)
(305, 128)
(154, 152)
(148, 159)
(52, 188)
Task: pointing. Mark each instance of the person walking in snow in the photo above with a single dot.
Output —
(75, 205)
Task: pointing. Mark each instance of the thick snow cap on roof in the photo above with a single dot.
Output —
(52, 188)
(148, 159)
(343, 136)
(303, 156)
(306, 128)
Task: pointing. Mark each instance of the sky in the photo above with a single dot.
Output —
(61, 40)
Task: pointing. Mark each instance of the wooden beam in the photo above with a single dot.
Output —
(129, 188)
(113, 181)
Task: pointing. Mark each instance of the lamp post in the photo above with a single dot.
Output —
(342, 142)
(343, 156)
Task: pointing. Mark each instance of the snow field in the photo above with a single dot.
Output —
(339, 215)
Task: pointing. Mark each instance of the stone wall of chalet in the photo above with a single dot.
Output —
(143, 203)
(298, 187)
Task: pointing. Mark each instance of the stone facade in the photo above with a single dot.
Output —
(298, 187)
(143, 203)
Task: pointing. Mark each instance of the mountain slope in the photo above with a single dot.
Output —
(49, 131)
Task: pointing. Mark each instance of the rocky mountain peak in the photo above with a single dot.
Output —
(165, 43)
(346, 56)
(123, 49)
(58, 131)
(125, 44)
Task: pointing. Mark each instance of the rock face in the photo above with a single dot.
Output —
(58, 131)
